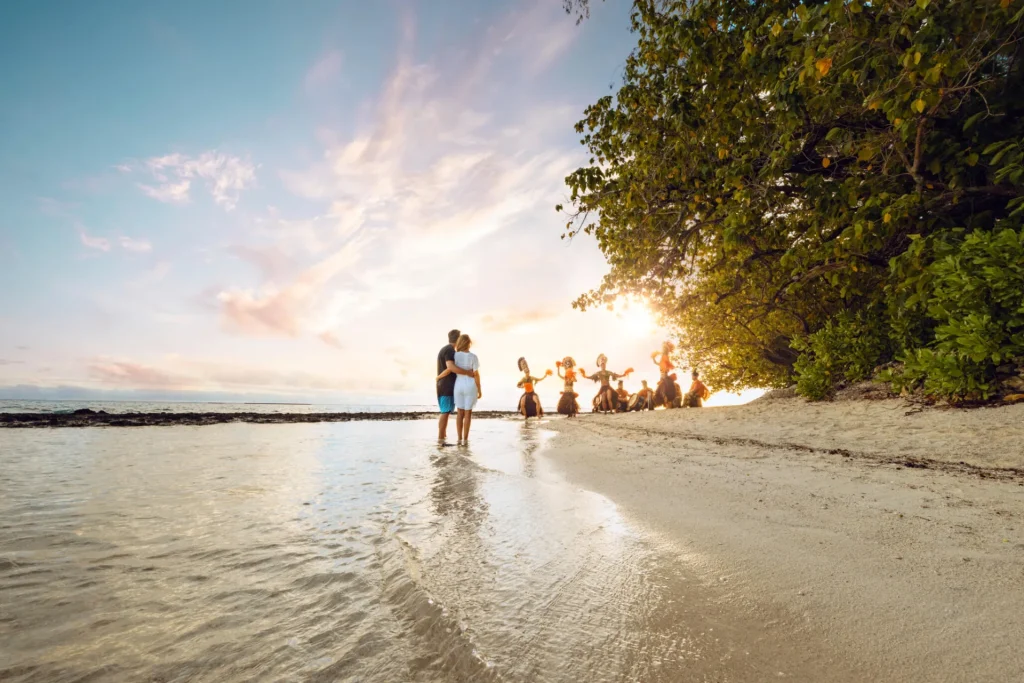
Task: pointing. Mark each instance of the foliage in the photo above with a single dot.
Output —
(768, 166)
(847, 348)
(972, 290)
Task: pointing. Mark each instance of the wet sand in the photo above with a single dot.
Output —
(90, 418)
(893, 535)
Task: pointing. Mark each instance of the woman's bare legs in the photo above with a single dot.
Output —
(465, 426)
(460, 424)
(536, 402)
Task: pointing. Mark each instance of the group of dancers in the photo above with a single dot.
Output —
(608, 399)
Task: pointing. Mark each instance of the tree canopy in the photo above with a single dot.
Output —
(799, 187)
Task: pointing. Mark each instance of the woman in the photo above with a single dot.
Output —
(665, 394)
(607, 400)
(567, 405)
(467, 387)
(529, 402)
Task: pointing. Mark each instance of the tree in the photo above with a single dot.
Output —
(766, 167)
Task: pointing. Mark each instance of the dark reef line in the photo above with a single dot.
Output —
(91, 418)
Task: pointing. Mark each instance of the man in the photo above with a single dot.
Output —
(644, 397)
(446, 385)
(697, 394)
(623, 397)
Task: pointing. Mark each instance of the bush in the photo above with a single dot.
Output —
(972, 292)
(847, 348)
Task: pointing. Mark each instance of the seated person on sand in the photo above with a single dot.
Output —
(567, 404)
(643, 399)
(529, 402)
(606, 400)
(623, 397)
(697, 394)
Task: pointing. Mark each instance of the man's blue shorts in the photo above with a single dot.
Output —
(446, 403)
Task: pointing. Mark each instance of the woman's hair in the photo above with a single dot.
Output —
(523, 366)
(463, 342)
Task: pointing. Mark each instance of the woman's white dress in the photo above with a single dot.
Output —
(465, 385)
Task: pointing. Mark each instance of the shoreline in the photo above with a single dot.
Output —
(81, 418)
(823, 512)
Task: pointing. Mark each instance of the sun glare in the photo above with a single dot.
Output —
(637, 320)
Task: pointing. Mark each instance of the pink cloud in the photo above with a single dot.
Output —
(130, 374)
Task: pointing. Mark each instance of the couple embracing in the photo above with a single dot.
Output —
(458, 385)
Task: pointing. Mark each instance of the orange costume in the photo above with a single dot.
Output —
(567, 404)
(529, 402)
(697, 394)
(665, 394)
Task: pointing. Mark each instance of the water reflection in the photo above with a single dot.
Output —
(455, 489)
(334, 552)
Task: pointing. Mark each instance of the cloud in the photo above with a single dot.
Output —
(98, 243)
(272, 262)
(324, 72)
(224, 176)
(170, 193)
(4, 361)
(289, 310)
(124, 373)
(331, 339)
(423, 179)
(517, 320)
(105, 245)
(131, 244)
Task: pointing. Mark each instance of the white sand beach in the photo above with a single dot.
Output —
(893, 534)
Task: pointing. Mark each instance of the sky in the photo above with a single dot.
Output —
(296, 201)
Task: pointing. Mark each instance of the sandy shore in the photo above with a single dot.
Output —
(894, 536)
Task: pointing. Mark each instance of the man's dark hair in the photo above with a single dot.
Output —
(453, 336)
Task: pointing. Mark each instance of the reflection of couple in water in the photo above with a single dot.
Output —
(458, 385)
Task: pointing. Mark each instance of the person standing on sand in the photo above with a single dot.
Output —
(567, 404)
(467, 386)
(606, 401)
(446, 384)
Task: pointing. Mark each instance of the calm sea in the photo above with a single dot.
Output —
(357, 551)
(31, 406)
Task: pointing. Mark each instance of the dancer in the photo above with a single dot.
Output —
(529, 403)
(567, 405)
(666, 393)
(606, 400)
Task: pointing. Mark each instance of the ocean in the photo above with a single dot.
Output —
(358, 551)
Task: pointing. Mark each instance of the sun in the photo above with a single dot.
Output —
(636, 318)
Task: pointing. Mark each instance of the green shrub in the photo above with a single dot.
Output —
(847, 348)
(972, 292)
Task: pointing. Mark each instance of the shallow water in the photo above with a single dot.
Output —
(335, 552)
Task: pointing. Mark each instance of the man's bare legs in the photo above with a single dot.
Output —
(442, 427)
